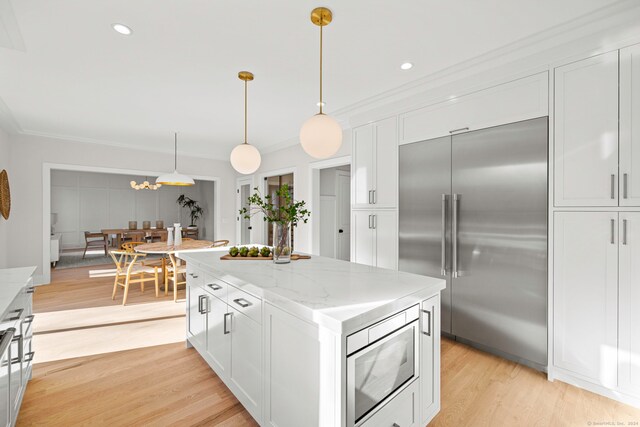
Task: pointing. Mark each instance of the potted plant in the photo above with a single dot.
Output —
(281, 212)
(195, 210)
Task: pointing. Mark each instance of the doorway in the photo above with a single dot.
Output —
(243, 229)
(335, 212)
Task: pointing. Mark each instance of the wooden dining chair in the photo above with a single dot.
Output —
(173, 272)
(130, 270)
(130, 246)
(94, 240)
(218, 243)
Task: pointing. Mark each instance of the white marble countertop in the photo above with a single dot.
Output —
(338, 295)
(12, 280)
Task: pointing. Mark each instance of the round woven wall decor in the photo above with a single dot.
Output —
(5, 195)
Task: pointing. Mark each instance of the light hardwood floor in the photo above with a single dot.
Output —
(134, 379)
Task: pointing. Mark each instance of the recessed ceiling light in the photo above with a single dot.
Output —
(122, 29)
(406, 66)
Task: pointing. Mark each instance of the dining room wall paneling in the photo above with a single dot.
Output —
(4, 224)
(29, 153)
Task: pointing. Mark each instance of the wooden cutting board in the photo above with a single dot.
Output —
(294, 257)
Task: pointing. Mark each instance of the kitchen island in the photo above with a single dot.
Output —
(318, 342)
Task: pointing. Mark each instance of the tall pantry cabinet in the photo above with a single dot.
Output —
(596, 241)
(374, 215)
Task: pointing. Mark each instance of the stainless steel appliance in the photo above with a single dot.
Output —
(473, 210)
(382, 360)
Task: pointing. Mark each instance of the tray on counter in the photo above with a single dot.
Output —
(294, 257)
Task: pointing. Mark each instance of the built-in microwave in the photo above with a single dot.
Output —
(382, 360)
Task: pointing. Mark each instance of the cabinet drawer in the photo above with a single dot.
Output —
(245, 303)
(195, 277)
(216, 287)
(402, 410)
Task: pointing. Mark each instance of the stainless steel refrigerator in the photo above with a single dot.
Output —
(473, 210)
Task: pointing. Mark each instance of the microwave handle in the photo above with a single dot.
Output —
(426, 329)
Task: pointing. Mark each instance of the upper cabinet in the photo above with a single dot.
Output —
(375, 165)
(597, 130)
(630, 126)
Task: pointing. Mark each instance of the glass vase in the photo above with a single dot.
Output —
(281, 243)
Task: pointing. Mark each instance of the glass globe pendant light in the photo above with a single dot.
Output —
(245, 158)
(175, 178)
(321, 135)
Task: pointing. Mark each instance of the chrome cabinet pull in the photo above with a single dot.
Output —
(20, 340)
(613, 186)
(29, 356)
(456, 198)
(7, 338)
(625, 184)
(17, 317)
(443, 238)
(375, 197)
(214, 286)
(624, 231)
(230, 315)
(242, 302)
(370, 197)
(29, 318)
(428, 331)
(31, 289)
(374, 221)
(200, 300)
(613, 230)
(458, 130)
(370, 226)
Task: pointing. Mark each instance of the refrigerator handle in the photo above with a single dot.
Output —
(454, 237)
(443, 238)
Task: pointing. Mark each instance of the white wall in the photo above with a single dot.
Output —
(4, 224)
(88, 201)
(28, 153)
(294, 158)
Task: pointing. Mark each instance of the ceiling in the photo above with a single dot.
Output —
(65, 72)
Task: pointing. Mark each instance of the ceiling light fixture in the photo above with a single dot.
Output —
(245, 158)
(321, 135)
(175, 178)
(122, 29)
(406, 65)
(145, 185)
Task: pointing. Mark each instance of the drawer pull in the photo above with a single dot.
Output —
(29, 318)
(458, 130)
(19, 315)
(29, 356)
(428, 331)
(230, 315)
(20, 340)
(214, 286)
(242, 302)
(31, 290)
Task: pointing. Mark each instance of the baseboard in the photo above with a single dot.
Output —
(566, 377)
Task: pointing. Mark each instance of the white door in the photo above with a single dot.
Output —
(430, 358)
(586, 132)
(328, 212)
(362, 241)
(343, 215)
(243, 230)
(630, 126)
(629, 343)
(386, 239)
(363, 165)
(218, 333)
(246, 361)
(586, 294)
(386, 164)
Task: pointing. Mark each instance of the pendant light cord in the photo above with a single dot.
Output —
(175, 151)
(321, 66)
(245, 112)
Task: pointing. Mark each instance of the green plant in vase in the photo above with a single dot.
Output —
(282, 212)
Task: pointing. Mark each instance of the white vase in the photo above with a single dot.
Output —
(169, 236)
(178, 237)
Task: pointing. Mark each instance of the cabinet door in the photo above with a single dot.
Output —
(386, 162)
(385, 225)
(5, 413)
(362, 238)
(246, 361)
(629, 340)
(363, 163)
(430, 359)
(586, 295)
(586, 132)
(630, 126)
(196, 320)
(219, 324)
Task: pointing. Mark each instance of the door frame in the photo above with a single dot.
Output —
(314, 191)
(239, 183)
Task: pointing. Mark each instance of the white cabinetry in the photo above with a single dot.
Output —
(375, 165)
(586, 295)
(630, 126)
(430, 359)
(629, 302)
(218, 340)
(375, 238)
(586, 132)
(196, 318)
